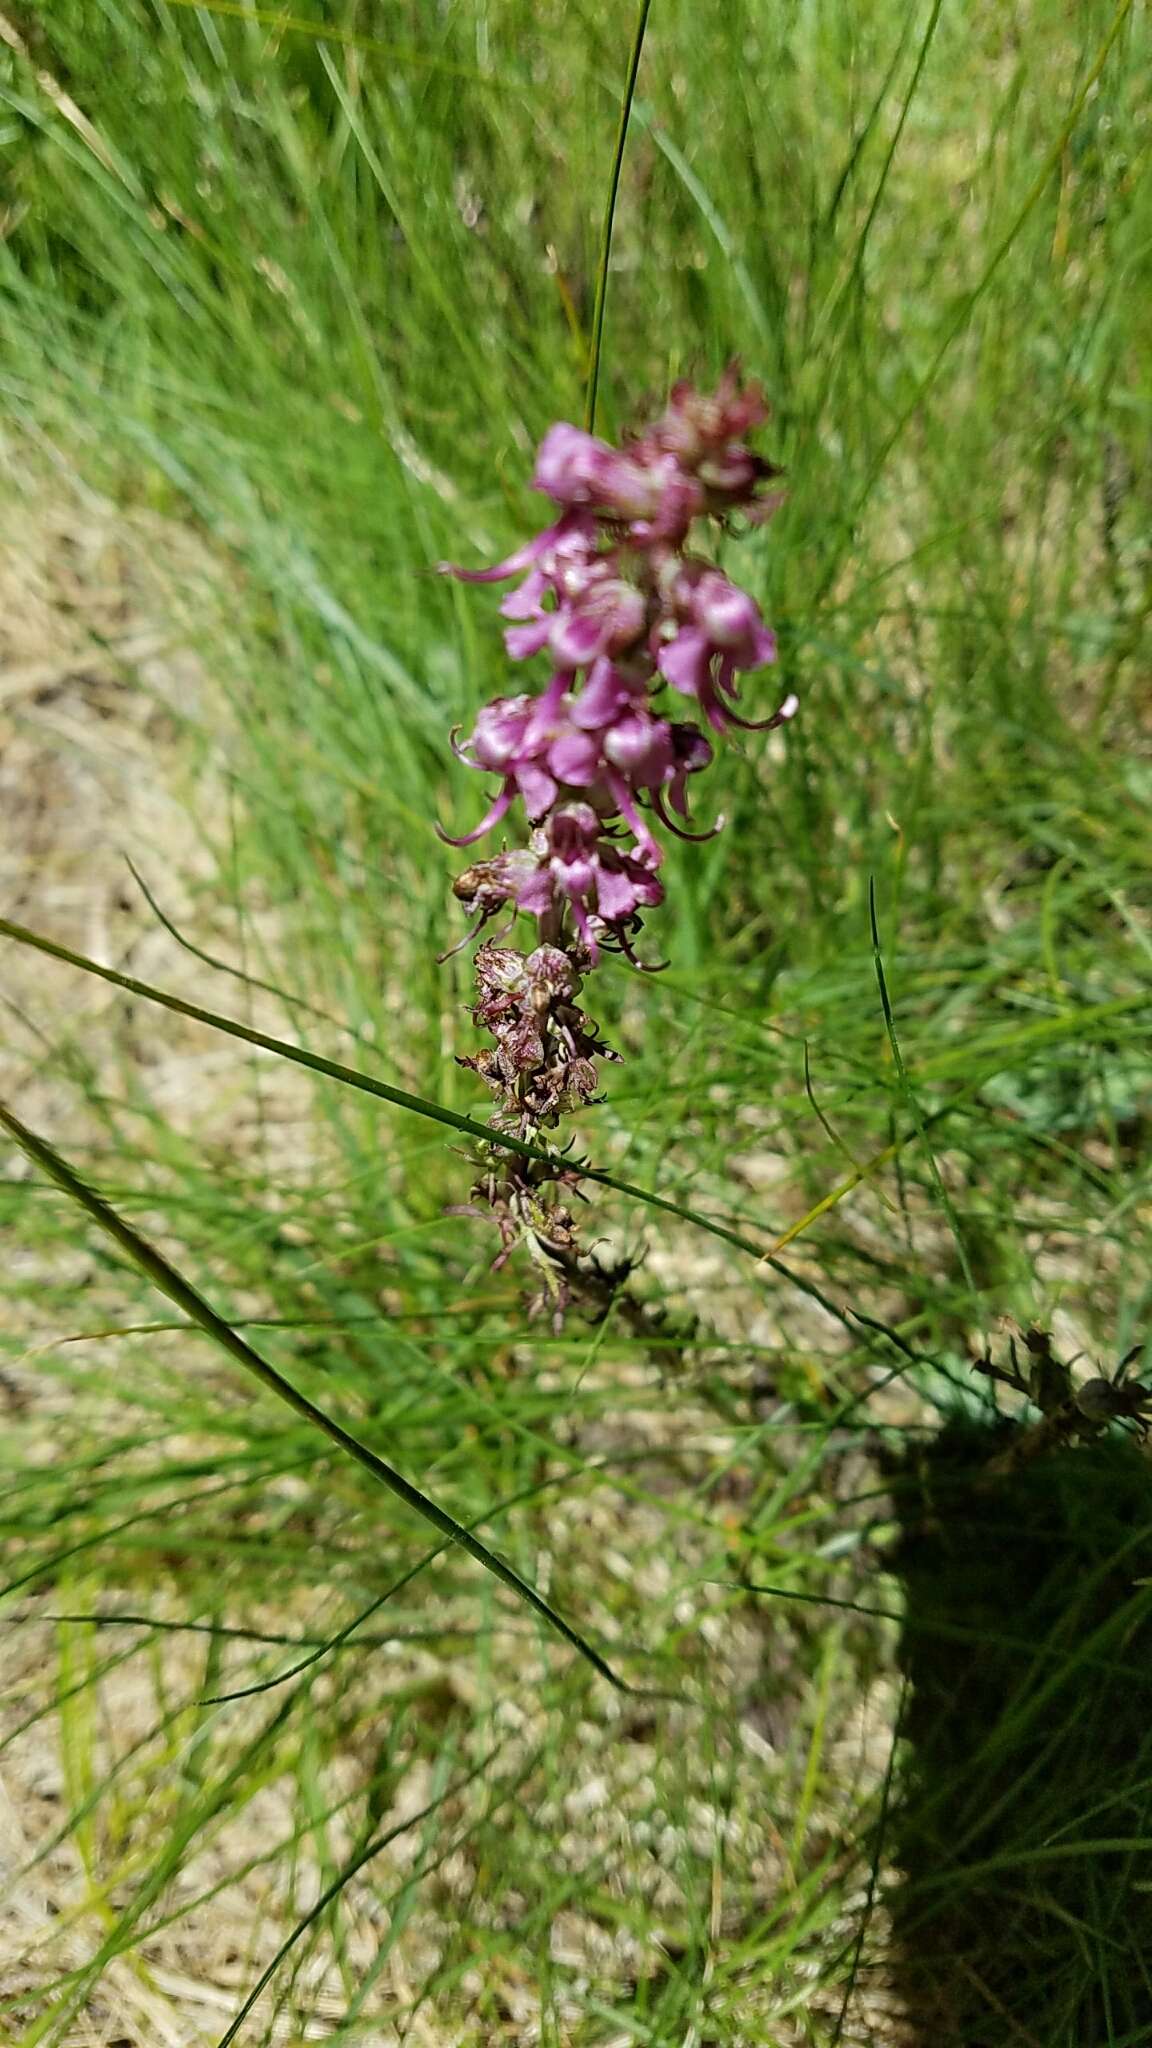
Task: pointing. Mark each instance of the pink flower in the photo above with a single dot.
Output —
(573, 600)
(610, 596)
(643, 487)
(706, 435)
(722, 631)
(595, 613)
(533, 744)
(611, 688)
(581, 869)
(569, 531)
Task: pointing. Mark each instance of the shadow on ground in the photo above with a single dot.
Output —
(1022, 1836)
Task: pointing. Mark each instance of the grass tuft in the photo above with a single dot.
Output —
(288, 299)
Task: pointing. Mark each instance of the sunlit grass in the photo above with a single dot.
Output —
(314, 292)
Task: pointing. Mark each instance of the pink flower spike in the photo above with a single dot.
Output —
(611, 595)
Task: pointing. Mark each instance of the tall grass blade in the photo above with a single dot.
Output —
(352, 1078)
(164, 1276)
(610, 216)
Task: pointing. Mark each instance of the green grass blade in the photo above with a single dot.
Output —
(972, 298)
(610, 216)
(909, 1092)
(340, 1882)
(170, 1282)
(335, 32)
(402, 1098)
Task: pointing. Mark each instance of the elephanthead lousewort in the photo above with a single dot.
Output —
(630, 621)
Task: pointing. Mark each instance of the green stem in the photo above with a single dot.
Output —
(609, 218)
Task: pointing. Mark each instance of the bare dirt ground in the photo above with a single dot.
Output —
(99, 687)
(101, 699)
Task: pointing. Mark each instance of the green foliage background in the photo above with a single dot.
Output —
(313, 287)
